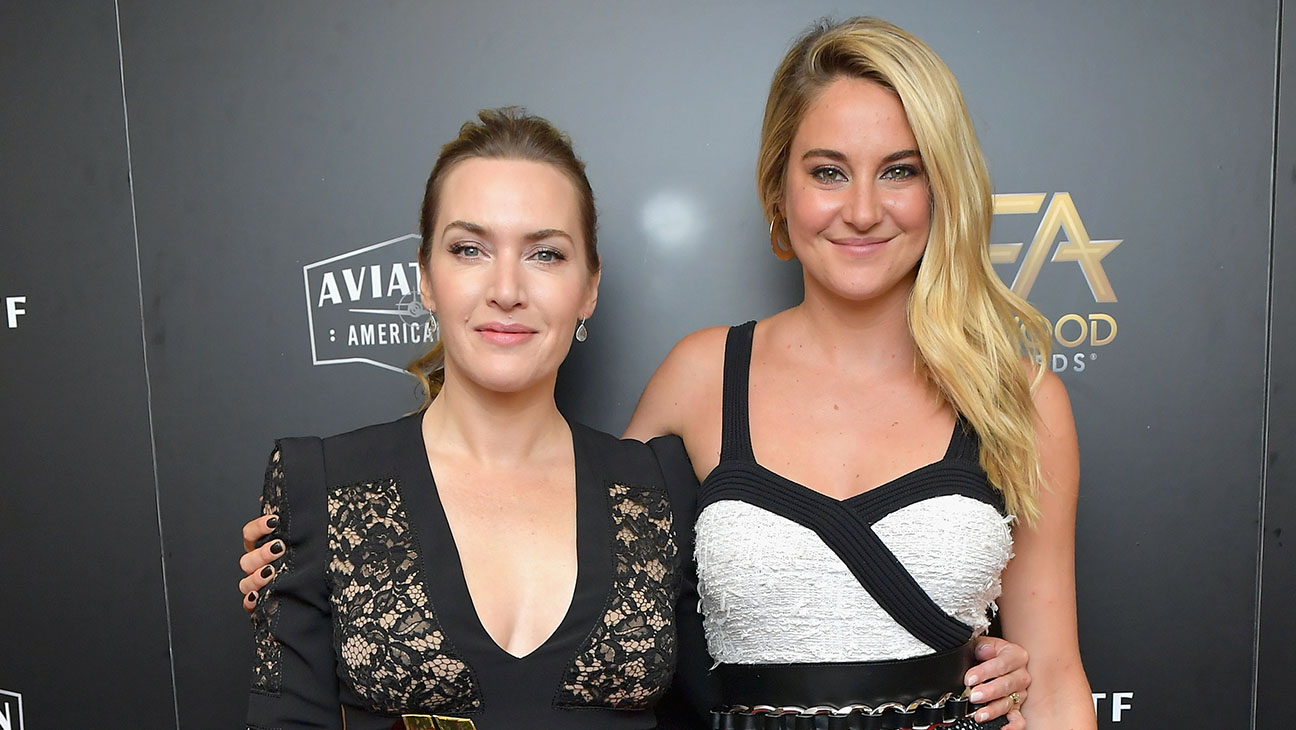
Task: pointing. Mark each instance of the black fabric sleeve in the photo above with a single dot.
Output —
(294, 677)
(693, 691)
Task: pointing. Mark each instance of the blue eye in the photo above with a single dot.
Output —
(548, 256)
(465, 250)
(828, 174)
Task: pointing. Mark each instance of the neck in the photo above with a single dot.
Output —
(493, 428)
(871, 334)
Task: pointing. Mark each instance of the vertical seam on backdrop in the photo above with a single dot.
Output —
(148, 382)
(1268, 367)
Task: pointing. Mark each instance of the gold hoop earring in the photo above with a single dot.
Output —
(784, 253)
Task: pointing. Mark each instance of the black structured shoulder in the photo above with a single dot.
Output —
(678, 475)
(360, 455)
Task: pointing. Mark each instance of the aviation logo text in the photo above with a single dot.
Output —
(364, 307)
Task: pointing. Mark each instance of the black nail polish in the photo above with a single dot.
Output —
(251, 597)
(272, 523)
(267, 571)
(276, 547)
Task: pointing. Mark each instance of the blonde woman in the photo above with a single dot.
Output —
(902, 363)
(883, 462)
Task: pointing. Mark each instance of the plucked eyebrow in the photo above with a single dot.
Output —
(820, 152)
(900, 155)
(533, 236)
(472, 228)
(839, 157)
(544, 233)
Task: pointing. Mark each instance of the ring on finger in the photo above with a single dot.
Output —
(1015, 699)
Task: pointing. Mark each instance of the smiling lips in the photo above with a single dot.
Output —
(860, 246)
(500, 333)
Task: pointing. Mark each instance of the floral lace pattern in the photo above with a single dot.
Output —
(266, 671)
(628, 659)
(390, 647)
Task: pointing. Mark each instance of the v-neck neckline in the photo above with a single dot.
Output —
(459, 581)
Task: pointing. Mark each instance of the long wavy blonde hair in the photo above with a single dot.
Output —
(971, 331)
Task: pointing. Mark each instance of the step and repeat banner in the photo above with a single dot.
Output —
(209, 214)
(83, 612)
(1276, 660)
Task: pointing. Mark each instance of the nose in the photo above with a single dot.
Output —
(507, 285)
(862, 207)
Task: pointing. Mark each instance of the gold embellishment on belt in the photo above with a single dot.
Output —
(437, 722)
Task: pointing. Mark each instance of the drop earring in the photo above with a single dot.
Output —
(582, 334)
(434, 326)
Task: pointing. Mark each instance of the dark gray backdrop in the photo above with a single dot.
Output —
(1276, 634)
(83, 618)
(266, 139)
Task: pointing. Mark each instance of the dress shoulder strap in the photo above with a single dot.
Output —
(965, 444)
(735, 434)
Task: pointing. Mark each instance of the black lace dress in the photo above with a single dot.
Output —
(369, 616)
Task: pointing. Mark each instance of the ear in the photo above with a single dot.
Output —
(425, 289)
(591, 295)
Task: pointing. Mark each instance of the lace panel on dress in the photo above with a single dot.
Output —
(266, 671)
(628, 659)
(391, 649)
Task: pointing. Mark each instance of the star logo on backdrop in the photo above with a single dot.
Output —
(1077, 246)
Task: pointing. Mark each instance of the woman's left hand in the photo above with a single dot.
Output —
(1000, 675)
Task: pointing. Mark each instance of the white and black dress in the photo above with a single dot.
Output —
(789, 576)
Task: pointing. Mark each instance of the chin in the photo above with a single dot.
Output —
(509, 381)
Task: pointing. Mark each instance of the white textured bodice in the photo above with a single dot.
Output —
(773, 592)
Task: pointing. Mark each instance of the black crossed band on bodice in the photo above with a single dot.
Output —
(845, 526)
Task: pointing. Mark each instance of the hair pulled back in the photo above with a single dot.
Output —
(505, 133)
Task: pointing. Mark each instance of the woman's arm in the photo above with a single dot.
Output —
(684, 398)
(1038, 605)
(694, 689)
(294, 681)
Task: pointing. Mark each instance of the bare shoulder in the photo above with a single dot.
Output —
(689, 378)
(1053, 405)
(700, 348)
(1055, 433)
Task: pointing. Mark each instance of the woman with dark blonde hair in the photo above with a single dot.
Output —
(481, 561)
(870, 457)
(873, 457)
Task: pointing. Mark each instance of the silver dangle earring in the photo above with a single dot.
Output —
(434, 326)
(582, 334)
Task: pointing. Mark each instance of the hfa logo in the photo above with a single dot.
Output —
(11, 710)
(364, 306)
(1061, 220)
